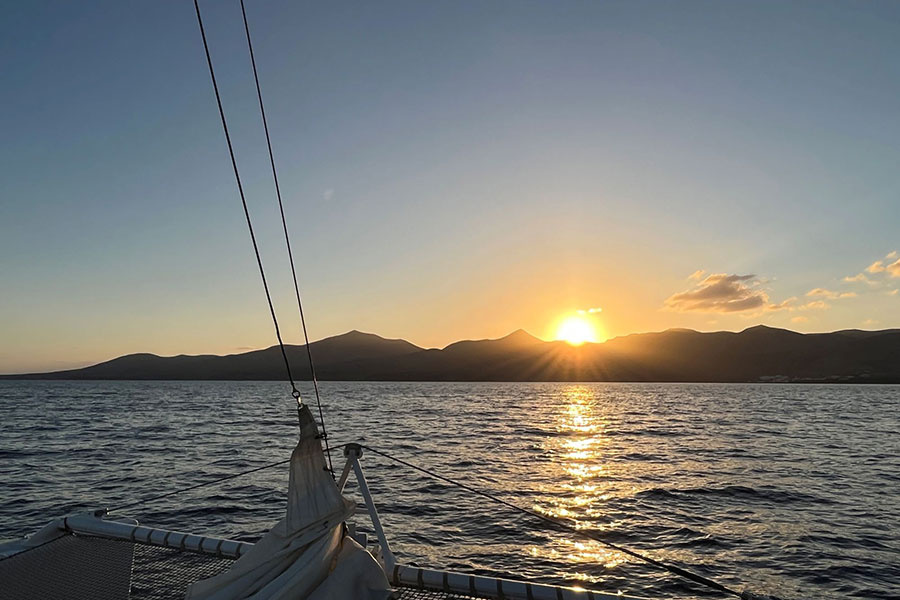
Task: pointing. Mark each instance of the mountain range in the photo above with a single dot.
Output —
(757, 354)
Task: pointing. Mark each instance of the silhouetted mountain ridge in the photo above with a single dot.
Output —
(757, 354)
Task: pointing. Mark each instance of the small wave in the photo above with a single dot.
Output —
(780, 506)
(641, 456)
(739, 492)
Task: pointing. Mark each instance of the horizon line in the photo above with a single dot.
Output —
(249, 350)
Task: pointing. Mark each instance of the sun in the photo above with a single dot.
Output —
(576, 331)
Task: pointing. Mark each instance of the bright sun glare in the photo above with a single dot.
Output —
(576, 331)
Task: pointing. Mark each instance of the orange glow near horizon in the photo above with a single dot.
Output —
(576, 330)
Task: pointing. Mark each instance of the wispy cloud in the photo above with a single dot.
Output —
(814, 305)
(328, 194)
(889, 266)
(858, 278)
(822, 292)
(722, 293)
(589, 311)
(749, 294)
(783, 305)
(894, 268)
(876, 267)
(869, 322)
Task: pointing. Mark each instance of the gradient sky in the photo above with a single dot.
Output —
(451, 170)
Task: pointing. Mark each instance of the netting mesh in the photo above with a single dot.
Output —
(68, 567)
(83, 567)
(87, 568)
(164, 573)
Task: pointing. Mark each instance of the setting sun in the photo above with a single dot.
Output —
(576, 331)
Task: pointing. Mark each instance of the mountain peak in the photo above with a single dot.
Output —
(520, 336)
(765, 328)
(357, 332)
(758, 354)
(354, 334)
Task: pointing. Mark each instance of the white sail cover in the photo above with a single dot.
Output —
(305, 555)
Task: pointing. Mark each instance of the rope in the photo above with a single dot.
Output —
(555, 521)
(287, 238)
(294, 391)
(194, 487)
(208, 483)
(563, 524)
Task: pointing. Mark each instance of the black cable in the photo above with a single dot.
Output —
(200, 485)
(294, 391)
(194, 487)
(546, 518)
(287, 238)
(565, 525)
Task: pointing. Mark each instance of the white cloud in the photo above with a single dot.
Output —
(859, 277)
(822, 292)
(814, 305)
(721, 293)
(748, 295)
(889, 265)
(894, 268)
(783, 305)
(876, 267)
(328, 194)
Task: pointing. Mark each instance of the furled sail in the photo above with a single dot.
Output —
(306, 555)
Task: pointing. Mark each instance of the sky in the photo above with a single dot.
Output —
(451, 170)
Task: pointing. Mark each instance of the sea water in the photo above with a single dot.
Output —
(788, 489)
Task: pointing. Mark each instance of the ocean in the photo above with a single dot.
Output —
(791, 490)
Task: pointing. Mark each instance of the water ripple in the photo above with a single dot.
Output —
(786, 489)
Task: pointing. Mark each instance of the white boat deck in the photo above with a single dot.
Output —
(118, 561)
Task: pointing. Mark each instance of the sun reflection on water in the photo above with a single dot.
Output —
(577, 454)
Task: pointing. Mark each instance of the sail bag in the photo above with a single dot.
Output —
(306, 555)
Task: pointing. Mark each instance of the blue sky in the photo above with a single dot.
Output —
(450, 170)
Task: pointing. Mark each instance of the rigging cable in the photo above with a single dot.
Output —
(194, 487)
(287, 238)
(564, 524)
(296, 393)
(287, 365)
(205, 484)
(555, 521)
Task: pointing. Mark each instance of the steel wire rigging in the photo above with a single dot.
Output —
(237, 176)
(559, 523)
(295, 393)
(564, 524)
(287, 237)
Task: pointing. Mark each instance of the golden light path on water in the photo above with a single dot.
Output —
(577, 454)
(783, 489)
